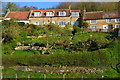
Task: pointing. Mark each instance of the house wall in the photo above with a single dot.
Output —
(56, 20)
(1, 20)
(102, 22)
(25, 21)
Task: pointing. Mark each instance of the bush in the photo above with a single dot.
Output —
(95, 59)
(21, 23)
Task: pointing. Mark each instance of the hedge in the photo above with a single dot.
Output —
(94, 59)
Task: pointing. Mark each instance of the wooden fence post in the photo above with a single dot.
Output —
(82, 77)
(64, 76)
(44, 76)
(16, 76)
(28, 77)
(1, 76)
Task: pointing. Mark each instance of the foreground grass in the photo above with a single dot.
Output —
(11, 73)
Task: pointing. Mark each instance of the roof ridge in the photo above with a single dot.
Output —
(52, 9)
(95, 12)
(19, 11)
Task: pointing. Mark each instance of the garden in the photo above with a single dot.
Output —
(54, 46)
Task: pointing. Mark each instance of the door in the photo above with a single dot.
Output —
(110, 26)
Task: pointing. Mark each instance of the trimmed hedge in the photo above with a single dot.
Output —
(94, 59)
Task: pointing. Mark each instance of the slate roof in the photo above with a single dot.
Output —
(101, 15)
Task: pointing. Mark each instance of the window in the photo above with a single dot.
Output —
(105, 26)
(108, 20)
(117, 20)
(117, 26)
(93, 21)
(36, 23)
(74, 13)
(62, 13)
(36, 14)
(62, 23)
(93, 27)
(75, 23)
(51, 13)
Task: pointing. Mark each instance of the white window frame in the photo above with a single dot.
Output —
(108, 20)
(91, 27)
(62, 13)
(92, 22)
(116, 25)
(63, 23)
(37, 14)
(50, 13)
(75, 23)
(74, 13)
(116, 20)
(37, 23)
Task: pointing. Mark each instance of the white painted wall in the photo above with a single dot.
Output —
(0, 20)
(7, 18)
(25, 21)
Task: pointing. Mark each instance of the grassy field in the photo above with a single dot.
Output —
(11, 73)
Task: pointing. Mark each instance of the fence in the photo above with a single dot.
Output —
(63, 77)
(45, 77)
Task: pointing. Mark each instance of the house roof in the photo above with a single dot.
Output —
(111, 14)
(54, 10)
(101, 15)
(18, 15)
(93, 15)
(75, 10)
(1, 18)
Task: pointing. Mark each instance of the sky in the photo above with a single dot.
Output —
(37, 4)
(59, 0)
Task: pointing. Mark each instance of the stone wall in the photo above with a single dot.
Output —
(58, 70)
(29, 47)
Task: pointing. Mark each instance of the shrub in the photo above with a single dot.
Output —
(21, 23)
(95, 59)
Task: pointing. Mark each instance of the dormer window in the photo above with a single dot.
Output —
(50, 13)
(74, 13)
(117, 20)
(62, 13)
(37, 14)
(108, 20)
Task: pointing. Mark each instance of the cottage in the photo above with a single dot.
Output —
(102, 21)
(21, 16)
(1, 19)
(55, 16)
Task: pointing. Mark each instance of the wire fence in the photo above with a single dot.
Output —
(29, 76)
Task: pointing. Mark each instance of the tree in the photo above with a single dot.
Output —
(11, 30)
(90, 6)
(26, 8)
(11, 6)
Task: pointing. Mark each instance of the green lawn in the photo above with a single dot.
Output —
(11, 73)
(29, 52)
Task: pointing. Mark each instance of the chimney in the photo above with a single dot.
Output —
(69, 7)
(84, 10)
(83, 14)
(8, 10)
(31, 8)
